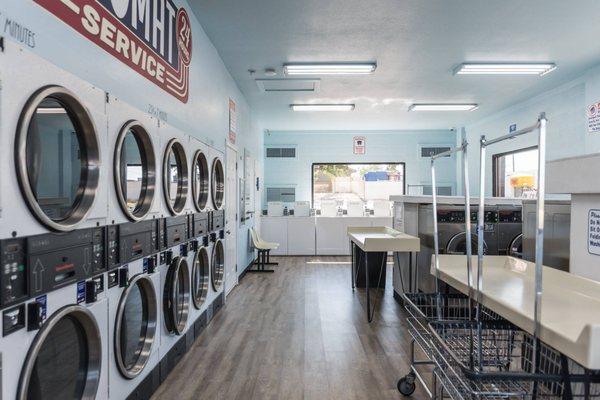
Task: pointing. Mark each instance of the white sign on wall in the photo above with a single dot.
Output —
(359, 145)
(594, 232)
(593, 118)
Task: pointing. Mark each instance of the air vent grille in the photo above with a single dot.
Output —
(433, 151)
(286, 195)
(281, 152)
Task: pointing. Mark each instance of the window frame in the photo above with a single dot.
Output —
(495, 157)
(312, 173)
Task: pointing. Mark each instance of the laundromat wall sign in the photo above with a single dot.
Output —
(152, 37)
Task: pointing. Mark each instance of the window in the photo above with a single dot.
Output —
(356, 182)
(515, 173)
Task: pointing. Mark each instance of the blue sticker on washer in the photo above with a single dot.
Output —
(80, 292)
(145, 265)
(43, 302)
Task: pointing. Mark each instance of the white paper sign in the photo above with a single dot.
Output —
(593, 117)
(359, 145)
(594, 232)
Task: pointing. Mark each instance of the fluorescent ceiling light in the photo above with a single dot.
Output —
(329, 69)
(505, 69)
(442, 107)
(322, 107)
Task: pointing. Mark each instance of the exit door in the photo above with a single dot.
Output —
(231, 211)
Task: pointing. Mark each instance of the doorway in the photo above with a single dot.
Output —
(231, 212)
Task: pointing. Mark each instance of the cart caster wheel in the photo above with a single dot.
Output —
(406, 386)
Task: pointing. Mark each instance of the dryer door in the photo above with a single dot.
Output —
(200, 184)
(200, 277)
(135, 326)
(57, 158)
(177, 296)
(458, 244)
(515, 249)
(218, 183)
(218, 264)
(64, 360)
(175, 177)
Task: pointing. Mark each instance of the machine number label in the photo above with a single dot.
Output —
(80, 292)
(43, 302)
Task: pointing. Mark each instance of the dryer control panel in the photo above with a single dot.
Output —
(177, 230)
(39, 264)
(199, 224)
(133, 241)
(510, 216)
(451, 216)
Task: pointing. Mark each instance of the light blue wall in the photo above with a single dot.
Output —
(567, 134)
(323, 147)
(205, 116)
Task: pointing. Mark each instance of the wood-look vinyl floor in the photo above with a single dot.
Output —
(300, 333)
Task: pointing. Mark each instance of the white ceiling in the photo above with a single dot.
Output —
(416, 44)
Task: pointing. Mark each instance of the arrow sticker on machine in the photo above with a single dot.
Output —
(86, 260)
(38, 275)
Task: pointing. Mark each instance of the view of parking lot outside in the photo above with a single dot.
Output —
(356, 182)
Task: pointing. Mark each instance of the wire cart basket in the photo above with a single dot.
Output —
(493, 359)
(423, 308)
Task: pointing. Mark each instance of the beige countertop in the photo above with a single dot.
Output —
(380, 239)
(570, 319)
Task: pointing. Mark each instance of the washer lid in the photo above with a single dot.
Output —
(65, 359)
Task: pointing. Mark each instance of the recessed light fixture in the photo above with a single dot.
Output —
(322, 107)
(505, 69)
(330, 69)
(442, 107)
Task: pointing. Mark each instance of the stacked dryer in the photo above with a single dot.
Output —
(216, 246)
(52, 286)
(175, 298)
(134, 237)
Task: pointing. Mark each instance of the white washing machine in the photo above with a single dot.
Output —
(135, 165)
(134, 317)
(54, 322)
(53, 148)
(176, 301)
(175, 171)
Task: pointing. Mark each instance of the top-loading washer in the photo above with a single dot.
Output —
(52, 149)
(54, 316)
(175, 171)
(136, 162)
(452, 237)
(510, 231)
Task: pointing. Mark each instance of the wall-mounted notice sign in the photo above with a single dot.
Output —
(232, 121)
(594, 232)
(153, 38)
(359, 145)
(593, 118)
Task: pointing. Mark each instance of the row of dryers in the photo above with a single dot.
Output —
(503, 234)
(104, 283)
(73, 156)
(107, 312)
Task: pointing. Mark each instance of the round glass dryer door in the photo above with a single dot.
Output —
(218, 183)
(200, 277)
(177, 296)
(135, 326)
(458, 244)
(57, 158)
(200, 184)
(218, 264)
(64, 360)
(175, 177)
(134, 170)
